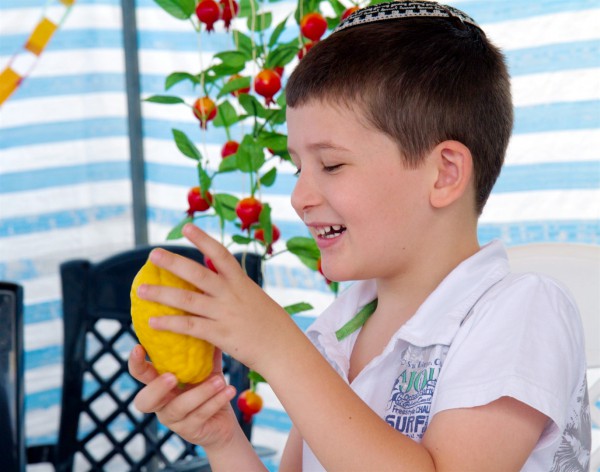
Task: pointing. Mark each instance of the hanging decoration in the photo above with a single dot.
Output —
(22, 63)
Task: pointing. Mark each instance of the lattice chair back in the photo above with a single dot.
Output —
(99, 426)
(12, 437)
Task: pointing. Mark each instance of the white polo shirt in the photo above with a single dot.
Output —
(482, 334)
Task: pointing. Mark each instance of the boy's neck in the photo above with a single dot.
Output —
(400, 297)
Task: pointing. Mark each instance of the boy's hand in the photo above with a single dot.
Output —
(232, 311)
(201, 414)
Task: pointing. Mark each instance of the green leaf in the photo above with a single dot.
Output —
(233, 85)
(229, 164)
(264, 219)
(177, 77)
(209, 76)
(274, 141)
(297, 308)
(176, 232)
(180, 9)
(260, 22)
(226, 115)
(277, 32)
(232, 58)
(164, 99)
(252, 105)
(255, 377)
(244, 44)
(247, 8)
(204, 179)
(276, 116)
(338, 7)
(185, 145)
(281, 55)
(306, 7)
(250, 155)
(239, 239)
(305, 249)
(269, 177)
(232, 62)
(225, 205)
(332, 22)
(281, 101)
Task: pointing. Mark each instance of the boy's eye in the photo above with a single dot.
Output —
(297, 173)
(332, 168)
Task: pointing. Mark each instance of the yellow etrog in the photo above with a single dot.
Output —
(189, 358)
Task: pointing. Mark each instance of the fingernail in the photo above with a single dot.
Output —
(170, 379)
(154, 322)
(217, 382)
(137, 351)
(156, 255)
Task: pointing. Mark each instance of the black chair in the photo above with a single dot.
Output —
(99, 427)
(12, 437)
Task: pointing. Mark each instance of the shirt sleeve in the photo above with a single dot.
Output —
(523, 340)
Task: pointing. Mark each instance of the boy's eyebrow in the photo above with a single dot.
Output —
(323, 146)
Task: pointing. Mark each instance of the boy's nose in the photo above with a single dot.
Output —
(305, 194)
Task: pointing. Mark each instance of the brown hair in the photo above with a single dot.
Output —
(421, 81)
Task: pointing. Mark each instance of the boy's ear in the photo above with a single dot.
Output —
(453, 164)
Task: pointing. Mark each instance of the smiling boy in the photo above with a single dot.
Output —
(437, 358)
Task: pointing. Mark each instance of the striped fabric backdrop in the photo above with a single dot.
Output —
(65, 187)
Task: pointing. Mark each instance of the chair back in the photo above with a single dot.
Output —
(99, 427)
(577, 266)
(12, 437)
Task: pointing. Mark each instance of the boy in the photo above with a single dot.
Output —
(438, 358)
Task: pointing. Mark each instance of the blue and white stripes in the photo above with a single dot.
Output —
(65, 189)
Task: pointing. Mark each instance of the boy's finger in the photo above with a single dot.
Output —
(195, 303)
(139, 368)
(217, 361)
(191, 271)
(156, 394)
(221, 258)
(195, 326)
(213, 405)
(196, 397)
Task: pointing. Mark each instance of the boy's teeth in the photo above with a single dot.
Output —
(330, 231)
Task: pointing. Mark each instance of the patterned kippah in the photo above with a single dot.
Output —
(400, 9)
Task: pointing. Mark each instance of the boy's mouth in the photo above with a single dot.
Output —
(328, 232)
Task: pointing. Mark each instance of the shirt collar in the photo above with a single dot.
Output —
(438, 318)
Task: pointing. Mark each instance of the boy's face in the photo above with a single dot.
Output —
(365, 210)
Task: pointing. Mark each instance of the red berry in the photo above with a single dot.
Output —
(205, 110)
(321, 271)
(229, 148)
(249, 403)
(209, 264)
(236, 93)
(248, 210)
(267, 83)
(313, 26)
(197, 202)
(349, 12)
(229, 10)
(305, 48)
(259, 234)
(279, 70)
(208, 11)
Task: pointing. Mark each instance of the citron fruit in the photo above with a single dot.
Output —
(189, 358)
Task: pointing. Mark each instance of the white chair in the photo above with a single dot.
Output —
(578, 267)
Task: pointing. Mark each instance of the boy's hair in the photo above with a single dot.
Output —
(421, 81)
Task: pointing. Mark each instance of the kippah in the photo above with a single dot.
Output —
(400, 9)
